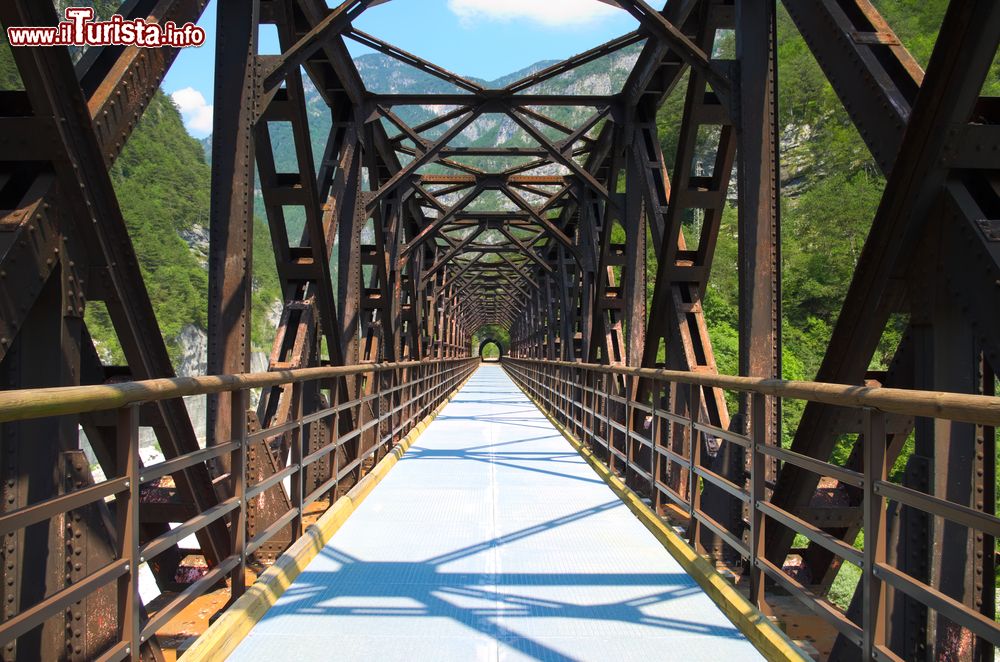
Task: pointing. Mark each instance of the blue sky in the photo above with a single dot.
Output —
(485, 38)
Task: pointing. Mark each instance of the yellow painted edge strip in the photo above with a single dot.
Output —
(223, 636)
(767, 637)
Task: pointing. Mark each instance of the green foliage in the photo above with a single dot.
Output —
(10, 79)
(266, 288)
(163, 187)
(162, 183)
(846, 581)
(915, 23)
(825, 230)
(493, 332)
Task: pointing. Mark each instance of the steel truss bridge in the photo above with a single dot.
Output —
(412, 244)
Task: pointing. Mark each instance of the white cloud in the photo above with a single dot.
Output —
(195, 110)
(551, 13)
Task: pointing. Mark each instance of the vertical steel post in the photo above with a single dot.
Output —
(759, 239)
(758, 463)
(238, 486)
(759, 222)
(694, 461)
(629, 411)
(298, 445)
(875, 469)
(655, 457)
(129, 603)
(378, 376)
(230, 259)
(607, 384)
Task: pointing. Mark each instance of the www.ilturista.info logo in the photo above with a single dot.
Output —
(80, 29)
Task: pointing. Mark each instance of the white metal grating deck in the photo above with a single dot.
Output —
(493, 539)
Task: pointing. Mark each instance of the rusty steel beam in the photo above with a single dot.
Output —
(298, 53)
(90, 118)
(676, 318)
(493, 103)
(759, 231)
(54, 91)
(947, 100)
(118, 85)
(573, 62)
(230, 259)
(686, 48)
(412, 60)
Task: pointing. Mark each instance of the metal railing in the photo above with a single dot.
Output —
(636, 436)
(389, 400)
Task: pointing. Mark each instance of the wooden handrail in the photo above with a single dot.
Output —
(976, 409)
(27, 404)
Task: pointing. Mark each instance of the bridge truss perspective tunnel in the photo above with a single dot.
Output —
(397, 243)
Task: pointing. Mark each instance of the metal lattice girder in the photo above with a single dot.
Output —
(53, 90)
(230, 259)
(402, 258)
(759, 226)
(948, 106)
(676, 319)
(586, 312)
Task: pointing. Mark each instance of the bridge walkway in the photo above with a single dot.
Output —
(492, 539)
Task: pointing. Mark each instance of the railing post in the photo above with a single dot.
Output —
(443, 377)
(238, 486)
(592, 394)
(129, 604)
(386, 398)
(428, 399)
(422, 393)
(758, 464)
(397, 400)
(432, 372)
(437, 373)
(629, 448)
(411, 398)
(338, 449)
(377, 376)
(564, 392)
(554, 397)
(298, 477)
(408, 394)
(874, 605)
(392, 398)
(694, 461)
(590, 386)
(565, 409)
(607, 419)
(654, 445)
